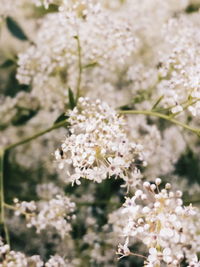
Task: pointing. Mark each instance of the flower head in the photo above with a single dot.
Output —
(97, 146)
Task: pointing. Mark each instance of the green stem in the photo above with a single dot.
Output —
(138, 255)
(2, 153)
(191, 103)
(10, 207)
(2, 214)
(157, 102)
(144, 112)
(80, 69)
(28, 139)
(2, 186)
(186, 104)
(162, 116)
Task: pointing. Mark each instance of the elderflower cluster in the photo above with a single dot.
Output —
(56, 213)
(97, 146)
(158, 218)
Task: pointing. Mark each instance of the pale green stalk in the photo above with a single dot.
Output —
(162, 116)
(80, 69)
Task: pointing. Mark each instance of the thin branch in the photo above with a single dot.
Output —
(80, 68)
(162, 116)
(2, 214)
(157, 102)
(10, 207)
(138, 255)
(30, 138)
(1, 186)
(144, 112)
(185, 105)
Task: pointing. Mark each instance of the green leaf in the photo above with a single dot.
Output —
(12, 86)
(72, 101)
(141, 96)
(42, 11)
(15, 29)
(7, 63)
(90, 65)
(192, 8)
(125, 107)
(158, 102)
(62, 117)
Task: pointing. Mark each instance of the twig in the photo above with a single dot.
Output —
(162, 116)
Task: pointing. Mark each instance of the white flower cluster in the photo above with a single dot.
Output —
(160, 157)
(48, 190)
(158, 219)
(56, 213)
(134, 27)
(56, 261)
(111, 40)
(179, 65)
(24, 207)
(97, 146)
(11, 258)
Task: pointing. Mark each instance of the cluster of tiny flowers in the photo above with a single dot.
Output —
(56, 213)
(11, 258)
(160, 221)
(97, 146)
(24, 207)
(56, 261)
(48, 191)
(52, 56)
(179, 65)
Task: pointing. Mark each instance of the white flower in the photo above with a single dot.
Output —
(177, 109)
(154, 256)
(167, 255)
